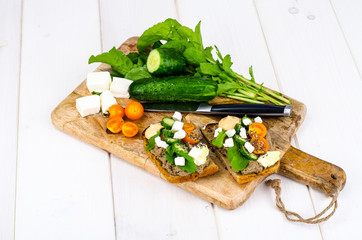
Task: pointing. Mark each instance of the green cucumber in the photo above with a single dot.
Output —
(239, 139)
(172, 140)
(245, 153)
(237, 128)
(174, 88)
(167, 122)
(167, 132)
(165, 61)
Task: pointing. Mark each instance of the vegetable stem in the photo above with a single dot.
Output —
(238, 97)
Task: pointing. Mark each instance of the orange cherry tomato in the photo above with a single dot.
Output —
(116, 111)
(129, 129)
(191, 138)
(134, 110)
(257, 129)
(188, 127)
(115, 124)
(260, 144)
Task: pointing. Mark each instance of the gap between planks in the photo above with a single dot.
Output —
(345, 39)
(281, 90)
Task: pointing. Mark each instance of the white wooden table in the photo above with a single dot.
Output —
(54, 186)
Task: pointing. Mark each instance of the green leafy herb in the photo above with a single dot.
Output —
(138, 73)
(210, 69)
(194, 56)
(227, 87)
(152, 141)
(178, 45)
(237, 161)
(219, 140)
(96, 93)
(190, 165)
(117, 59)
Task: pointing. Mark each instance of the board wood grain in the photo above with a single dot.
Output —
(219, 188)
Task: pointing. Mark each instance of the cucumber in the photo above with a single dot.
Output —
(237, 128)
(167, 132)
(245, 120)
(174, 88)
(179, 148)
(239, 139)
(172, 140)
(245, 153)
(167, 122)
(165, 61)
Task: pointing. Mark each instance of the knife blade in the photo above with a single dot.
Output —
(251, 109)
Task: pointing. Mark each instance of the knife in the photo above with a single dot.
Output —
(251, 109)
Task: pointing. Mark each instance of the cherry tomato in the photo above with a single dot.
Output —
(129, 129)
(257, 129)
(134, 110)
(191, 138)
(188, 127)
(116, 111)
(115, 124)
(261, 144)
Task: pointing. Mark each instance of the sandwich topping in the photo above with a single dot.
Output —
(178, 145)
(245, 143)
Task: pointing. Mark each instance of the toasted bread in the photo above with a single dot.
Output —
(241, 178)
(210, 167)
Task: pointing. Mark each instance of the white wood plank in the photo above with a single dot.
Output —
(10, 12)
(63, 188)
(314, 64)
(147, 207)
(350, 20)
(234, 27)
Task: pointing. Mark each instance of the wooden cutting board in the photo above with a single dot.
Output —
(220, 188)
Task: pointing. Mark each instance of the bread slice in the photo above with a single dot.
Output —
(241, 178)
(209, 167)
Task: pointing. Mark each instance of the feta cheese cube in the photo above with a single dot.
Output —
(247, 121)
(107, 100)
(88, 105)
(98, 81)
(243, 133)
(179, 161)
(119, 87)
(160, 143)
(249, 147)
(230, 132)
(217, 131)
(179, 134)
(258, 120)
(177, 116)
(229, 142)
(177, 126)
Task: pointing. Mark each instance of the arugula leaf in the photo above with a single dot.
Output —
(152, 141)
(96, 93)
(196, 38)
(194, 56)
(138, 73)
(208, 55)
(219, 140)
(166, 30)
(251, 74)
(237, 161)
(218, 53)
(178, 45)
(116, 58)
(170, 157)
(226, 64)
(210, 69)
(157, 44)
(190, 165)
(133, 56)
(226, 87)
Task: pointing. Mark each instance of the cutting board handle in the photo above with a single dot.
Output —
(307, 169)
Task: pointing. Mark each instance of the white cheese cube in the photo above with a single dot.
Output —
(98, 81)
(177, 116)
(249, 147)
(243, 133)
(247, 121)
(119, 87)
(88, 105)
(258, 120)
(230, 132)
(229, 142)
(177, 126)
(180, 161)
(217, 131)
(160, 143)
(179, 134)
(107, 100)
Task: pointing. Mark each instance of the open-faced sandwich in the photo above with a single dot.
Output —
(178, 149)
(242, 145)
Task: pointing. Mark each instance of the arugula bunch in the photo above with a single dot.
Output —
(200, 62)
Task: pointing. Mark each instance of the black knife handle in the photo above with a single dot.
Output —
(252, 109)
